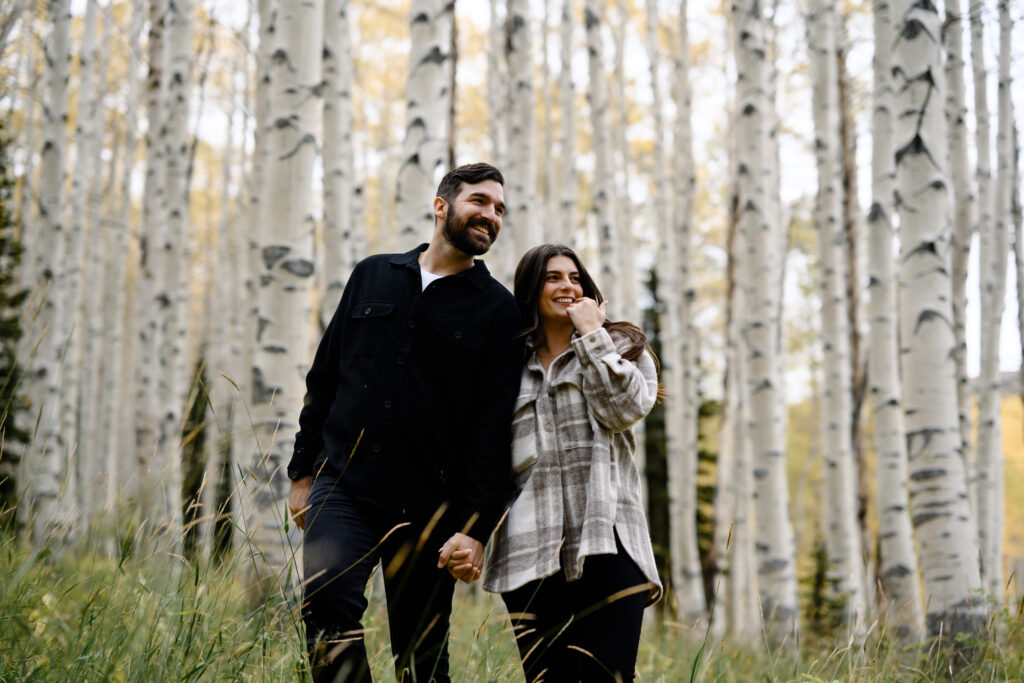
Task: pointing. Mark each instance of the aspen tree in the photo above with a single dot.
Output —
(117, 436)
(566, 142)
(608, 243)
(941, 515)
(338, 157)
(520, 174)
(146, 304)
(69, 286)
(428, 94)
(759, 227)
(80, 381)
(497, 88)
(963, 204)
(900, 598)
(842, 535)
(47, 512)
(993, 259)
(285, 276)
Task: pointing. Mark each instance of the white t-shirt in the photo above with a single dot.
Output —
(426, 277)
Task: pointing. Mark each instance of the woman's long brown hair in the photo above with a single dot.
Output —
(529, 282)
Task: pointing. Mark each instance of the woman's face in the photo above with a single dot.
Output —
(561, 288)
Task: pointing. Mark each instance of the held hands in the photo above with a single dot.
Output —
(586, 315)
(463, 556)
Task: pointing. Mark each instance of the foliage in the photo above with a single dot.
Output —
(12, 298)
(89, 616)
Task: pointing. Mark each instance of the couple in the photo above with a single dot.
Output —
(423, 432)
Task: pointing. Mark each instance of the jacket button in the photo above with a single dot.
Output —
(400, 360)
(376, 448)
(458, 334)
(367, 310)
(412, 323)
(547, 426)
(387, 404)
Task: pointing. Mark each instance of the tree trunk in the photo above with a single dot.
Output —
(845, 561)
(938, 491)
(338, 157)
(993, 291)
(566, 142)
(900, 599)
(521, 222)
(427, 99)
(286, 271)
(758, 225)
(47, 514)
(608, 243)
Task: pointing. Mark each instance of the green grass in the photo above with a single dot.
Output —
(85, 615)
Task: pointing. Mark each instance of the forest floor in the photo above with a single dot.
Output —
(86, 615)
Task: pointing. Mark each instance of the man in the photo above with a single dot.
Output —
(402, 454)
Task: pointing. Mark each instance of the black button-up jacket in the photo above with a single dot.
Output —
(409, 398)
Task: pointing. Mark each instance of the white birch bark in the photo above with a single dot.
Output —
(548, 222)
(681, 460)
(993, 283)
(117, 436)
(171, 256)
(963, 205)
(842, 532)
(900, 600)
(428, 96)
(337, 156)
(1018, 258)
(146, 304)
(69, 286)
(520, 175)
(222, 354)
(286, 270)
(758, 225)
(22, 207)
(497, 88)
(938, 491)
(47, 514)
(737, 588)
(603, 211)
(985, 205)
(566, 141)
(629, 306)
(81, 363)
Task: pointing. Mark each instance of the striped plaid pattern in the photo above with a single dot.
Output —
(572, 459)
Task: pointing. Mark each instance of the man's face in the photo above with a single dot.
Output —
(473, 220)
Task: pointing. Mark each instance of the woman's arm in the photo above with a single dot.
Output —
(618, 392)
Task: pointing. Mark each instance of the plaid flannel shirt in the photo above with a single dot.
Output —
(572, 460)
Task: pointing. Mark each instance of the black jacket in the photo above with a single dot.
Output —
(409, 398)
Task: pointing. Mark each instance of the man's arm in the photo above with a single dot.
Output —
(487, 468)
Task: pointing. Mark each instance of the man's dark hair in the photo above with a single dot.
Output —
(452, 182)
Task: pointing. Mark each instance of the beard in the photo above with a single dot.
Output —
(460, 234)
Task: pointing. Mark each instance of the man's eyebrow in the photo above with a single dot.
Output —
(484, 195)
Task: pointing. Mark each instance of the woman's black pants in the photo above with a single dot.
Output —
(583, 630)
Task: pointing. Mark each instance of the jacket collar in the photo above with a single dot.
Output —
(478, 275)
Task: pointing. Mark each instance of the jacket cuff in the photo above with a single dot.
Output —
(593, 345)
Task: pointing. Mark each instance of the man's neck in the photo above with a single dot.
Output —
(441, 258)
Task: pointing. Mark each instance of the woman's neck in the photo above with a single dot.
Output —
(558, 339)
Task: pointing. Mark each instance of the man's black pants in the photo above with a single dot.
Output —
(583, 630)
(344, 540)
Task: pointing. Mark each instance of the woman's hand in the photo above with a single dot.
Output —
(586, 315)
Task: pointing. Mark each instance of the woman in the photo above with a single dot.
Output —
(573, 559)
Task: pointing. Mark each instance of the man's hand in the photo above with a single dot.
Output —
(298, 497)
(464, 557)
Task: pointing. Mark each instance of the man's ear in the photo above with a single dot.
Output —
(440, 208)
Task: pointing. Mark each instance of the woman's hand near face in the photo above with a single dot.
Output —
(587, 315)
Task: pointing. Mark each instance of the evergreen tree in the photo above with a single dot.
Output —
(12, 297)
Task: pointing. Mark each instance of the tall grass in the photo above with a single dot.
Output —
(84, 615)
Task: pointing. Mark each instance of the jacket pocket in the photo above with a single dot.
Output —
(368, 326)
(524, 438)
